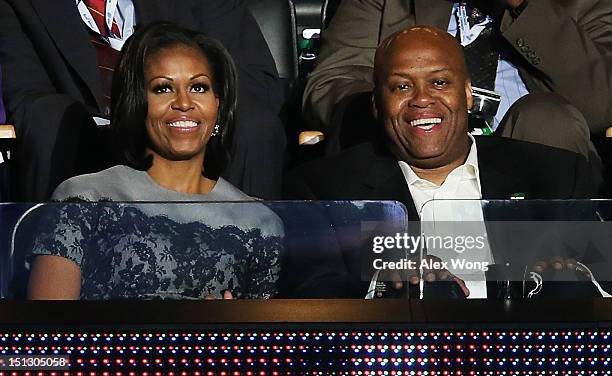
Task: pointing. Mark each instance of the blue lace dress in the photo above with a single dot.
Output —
(155, 250)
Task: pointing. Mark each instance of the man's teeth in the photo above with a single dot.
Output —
(183, 124)
(426, 124)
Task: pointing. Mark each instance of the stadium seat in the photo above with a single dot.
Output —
(7, 144)
(308, 14)
(276, 19)
(328, 11)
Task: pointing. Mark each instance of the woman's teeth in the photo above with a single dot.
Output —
(183, 124)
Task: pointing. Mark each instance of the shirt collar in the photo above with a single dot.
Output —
(472, 160)
(470, 165)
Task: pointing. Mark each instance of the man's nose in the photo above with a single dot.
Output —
(421, 97)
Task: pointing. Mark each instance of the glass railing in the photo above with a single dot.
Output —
(306, 249)
(189, 250)
(521, 249)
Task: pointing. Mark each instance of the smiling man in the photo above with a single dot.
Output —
(422, 93)
(424, 152)
(421, 98)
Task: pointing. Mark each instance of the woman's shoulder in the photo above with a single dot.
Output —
(103, 185)
(226, 191)
(247, 211)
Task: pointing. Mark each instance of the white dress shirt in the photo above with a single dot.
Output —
(436, 203)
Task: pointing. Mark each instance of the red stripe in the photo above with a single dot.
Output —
(98, 9)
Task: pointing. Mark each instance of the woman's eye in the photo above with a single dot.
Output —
(160, 89)
(200, 88)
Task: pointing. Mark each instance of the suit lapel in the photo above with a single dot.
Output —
(71, 40)
(433, 12)
(385, 179)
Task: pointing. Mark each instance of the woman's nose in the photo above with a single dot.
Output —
(183, 101)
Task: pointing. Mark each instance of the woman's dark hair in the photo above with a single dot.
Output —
(129, 94)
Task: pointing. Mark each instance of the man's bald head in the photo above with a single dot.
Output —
(422, 93)
(418, 38)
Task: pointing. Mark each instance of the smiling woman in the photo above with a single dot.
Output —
(173, 104)
(182, 111)
(168, 79)
(182, 106)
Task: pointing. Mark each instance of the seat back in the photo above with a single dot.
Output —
(276, 19)
(328, 10)
(7, 146)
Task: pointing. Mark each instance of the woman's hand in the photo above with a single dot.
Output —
(227, 295)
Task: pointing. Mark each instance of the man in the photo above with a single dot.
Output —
(56, 57)
(421, 96)
(424, 152)
(553, 74)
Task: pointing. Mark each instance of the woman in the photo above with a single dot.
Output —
(173, 104)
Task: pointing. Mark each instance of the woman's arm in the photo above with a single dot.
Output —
(54, 277)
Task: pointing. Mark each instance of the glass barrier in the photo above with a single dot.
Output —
(307, 249)
(189, 250)
(520, 249)
(311, 249)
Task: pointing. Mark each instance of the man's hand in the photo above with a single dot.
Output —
(428, 275)
(556, 264)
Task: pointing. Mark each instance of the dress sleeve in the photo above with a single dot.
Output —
(63, 230)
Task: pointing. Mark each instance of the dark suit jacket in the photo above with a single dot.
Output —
(370, 172)
(560, 46)
(52, 87)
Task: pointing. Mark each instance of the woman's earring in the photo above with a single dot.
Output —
(215, 130)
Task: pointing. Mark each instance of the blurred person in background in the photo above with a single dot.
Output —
(548, 60)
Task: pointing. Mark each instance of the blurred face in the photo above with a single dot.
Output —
(182, 106)
(423, 96)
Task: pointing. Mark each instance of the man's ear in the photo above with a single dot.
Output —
(468, 94)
